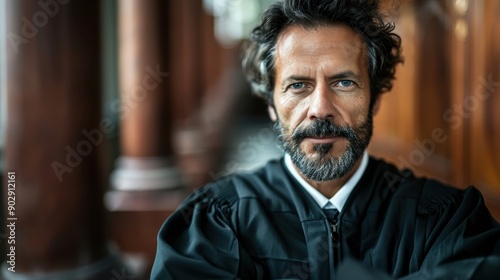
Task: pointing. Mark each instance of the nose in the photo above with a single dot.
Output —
(321, 104)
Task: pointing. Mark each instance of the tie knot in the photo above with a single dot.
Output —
(331, 214)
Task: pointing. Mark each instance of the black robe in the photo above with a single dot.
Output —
(264, 225)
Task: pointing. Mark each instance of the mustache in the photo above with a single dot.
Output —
(323, 128)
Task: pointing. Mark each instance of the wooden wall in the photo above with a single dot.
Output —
(442, 118)
(483, 134)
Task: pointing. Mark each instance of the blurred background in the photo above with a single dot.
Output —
(113, 111)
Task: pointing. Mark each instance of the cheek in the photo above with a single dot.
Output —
(293, 111)
(358, 111)
(285, 105)
(359, 114)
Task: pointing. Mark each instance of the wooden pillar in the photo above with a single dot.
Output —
(146, 184)
(146, 162)
(54, 138)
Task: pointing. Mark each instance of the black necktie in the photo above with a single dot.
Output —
(332, 215)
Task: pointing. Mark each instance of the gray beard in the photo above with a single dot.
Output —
(325, 167)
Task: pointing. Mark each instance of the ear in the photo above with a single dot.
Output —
(272, 113)
(376, 105)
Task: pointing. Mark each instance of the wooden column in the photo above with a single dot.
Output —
(146, 185)
(54, 138)
(146, 162)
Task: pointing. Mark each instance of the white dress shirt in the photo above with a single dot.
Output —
(338, 200)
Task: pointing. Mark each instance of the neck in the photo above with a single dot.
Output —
(330, 188)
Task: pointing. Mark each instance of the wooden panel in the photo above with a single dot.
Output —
(450, 81)
(483, 101)
(433, 72)
(411, 116)
(395, 120)
(459, 73)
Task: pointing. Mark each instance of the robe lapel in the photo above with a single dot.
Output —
(316, 228)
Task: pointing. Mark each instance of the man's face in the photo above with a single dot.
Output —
(322, 98)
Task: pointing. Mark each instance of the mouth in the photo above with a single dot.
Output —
(323, 139)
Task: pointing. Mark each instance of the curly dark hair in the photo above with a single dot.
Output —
(363, 16)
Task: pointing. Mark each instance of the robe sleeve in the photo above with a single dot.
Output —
(462, 240)
(197, 241)
(484, 268)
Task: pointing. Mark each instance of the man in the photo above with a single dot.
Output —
(327, 210)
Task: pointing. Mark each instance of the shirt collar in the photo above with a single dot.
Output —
(339, 199)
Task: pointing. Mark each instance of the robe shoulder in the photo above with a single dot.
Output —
(201, 239)
(432, 196)
(264, 184)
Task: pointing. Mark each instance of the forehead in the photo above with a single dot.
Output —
(321, 45)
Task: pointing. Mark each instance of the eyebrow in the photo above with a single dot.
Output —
(346, 74)
(341, 75)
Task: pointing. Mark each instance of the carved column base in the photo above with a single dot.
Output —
(145, 184)
(146, 174)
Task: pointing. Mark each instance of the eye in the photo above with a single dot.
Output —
(345, 83)
(297, 85)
